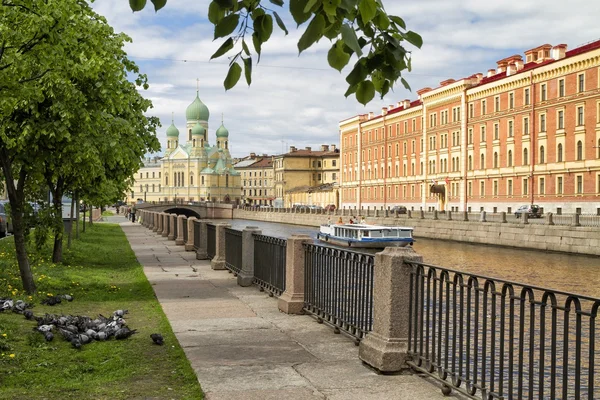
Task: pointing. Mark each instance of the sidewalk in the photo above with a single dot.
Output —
(242, 347)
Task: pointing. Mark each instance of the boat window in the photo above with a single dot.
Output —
(376, 234)
(366, 234)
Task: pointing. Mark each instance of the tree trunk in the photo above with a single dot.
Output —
(84, 210)
(59, 226)
(16, 196)
(91, 217)
(71, 220)
(77, 217)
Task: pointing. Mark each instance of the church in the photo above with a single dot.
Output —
(190, 171)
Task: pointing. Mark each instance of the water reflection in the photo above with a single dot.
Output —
(566, 272)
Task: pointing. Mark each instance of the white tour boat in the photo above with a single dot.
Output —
(361, 235)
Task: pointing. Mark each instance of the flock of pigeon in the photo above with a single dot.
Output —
(78, 330)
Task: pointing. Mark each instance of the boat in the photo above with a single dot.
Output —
(366, 236)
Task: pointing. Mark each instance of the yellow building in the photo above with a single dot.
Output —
(307, 177)
(257, 180)
(194, 171)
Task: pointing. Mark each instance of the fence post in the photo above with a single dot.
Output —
(449, 213)
(482, 217)
(156, 222)
(435, 214)
(422, 214)
(201, 252)
(165, 225)
(550, 218)
(385, 348)
(465, 215)
(179, 239)
(218, 262)
(503, 217)
(525, 217)
(171, 235)
(246, 274)
(189, 246)
(409, 214)
(575, 220)
(292, 300)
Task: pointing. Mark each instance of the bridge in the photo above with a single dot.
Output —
(199, 210)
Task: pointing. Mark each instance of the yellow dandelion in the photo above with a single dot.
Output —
(4, 335)
(12, 356)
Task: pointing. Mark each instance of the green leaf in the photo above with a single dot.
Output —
(330, 6)
(245, 47)
(365, 92)
(381, 21)
(385, 89)
(227, 25)
(414, 39)
(351, 90)
(358, 73)
(224, 3)
(277, 3)
(215, 13)
(348, 5)
(297, 11)
(248, 69)
(399, 21)
(406, 85)
(333, 30)
(257, 45)
(280, 22)
(257, 12)
(337, 57)
(233, 76)
(263, 26)
(314, 32)
(225, 47)
(137, 5)
(368, 9)
(349, 37)
(309, 5)
(158, 4)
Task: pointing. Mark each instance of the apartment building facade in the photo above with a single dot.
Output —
(257, 180)
(527, 132)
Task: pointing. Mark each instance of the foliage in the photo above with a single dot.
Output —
(103, 275)
(351, 25)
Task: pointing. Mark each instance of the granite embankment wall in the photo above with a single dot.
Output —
(568, 239)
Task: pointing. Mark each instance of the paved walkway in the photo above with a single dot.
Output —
(243, 348)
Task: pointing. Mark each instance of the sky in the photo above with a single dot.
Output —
(299, 100)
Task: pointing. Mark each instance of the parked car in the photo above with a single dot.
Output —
(532, 211)
(5, 223)
(330, 207)
(399, 209)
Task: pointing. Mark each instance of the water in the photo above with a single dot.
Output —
(566, 272)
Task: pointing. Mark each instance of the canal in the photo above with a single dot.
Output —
(572, 273)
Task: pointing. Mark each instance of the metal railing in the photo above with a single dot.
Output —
(211, 241)
(185, 230)
(269, 263)
(233, 250)
(338, 288)
(196, 235)
(495, 339)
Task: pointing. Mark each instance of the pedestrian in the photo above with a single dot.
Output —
(328, 220)
(340, 221)
(133, 213)
(351, 221)
(362, 220)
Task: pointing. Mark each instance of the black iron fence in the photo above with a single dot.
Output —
(233, 250)
(495, 339)
(211, 241)
(269, 263)
(196, 235)
(185, 230)
(338, 288)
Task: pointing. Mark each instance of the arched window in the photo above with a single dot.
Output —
(542, 155)
(510, 158)
(175, 183)
(226, 145)
(579, 151)
(559, 153)
(153, 187)
(194, 142)
(202, 181)
(190, 135)
(166, 180)
(482, 162)
(159, 187)
(191, 180)
(168, 144)
(525, 157)
(182, 179)
(146, 187)
(226, 180)
(495, 159)
(470, 163)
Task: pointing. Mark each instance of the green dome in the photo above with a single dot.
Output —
(198, 130)
(172, 130)
(222, 131)
(197, 111)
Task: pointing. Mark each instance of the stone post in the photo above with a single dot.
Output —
(218, 262)
(179, 239)
(292, 300)
(386, 347)
(376, 212)
(503, 217)
(422, 214)
(387, 212)
(409, 214)
(575, 220)
(189, 245)
(449, 213)
(482, 217)
(171, 235)
(550, 218)
(201, 252)
(156, 222)
(246, 274)
(465, 215)
(525, 218)
(165, 231)
(435, 214)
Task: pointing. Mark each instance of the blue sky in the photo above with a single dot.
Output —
(298, 101)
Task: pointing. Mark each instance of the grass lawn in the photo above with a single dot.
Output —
(107, 213)
(102, 274)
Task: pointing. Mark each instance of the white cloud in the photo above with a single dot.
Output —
(298, 100)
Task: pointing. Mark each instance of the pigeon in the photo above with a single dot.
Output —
(157, 339)
(28, 314)
(120, 313)
(76, 343)
(101, 336)
(67, 297)
(8, 304)
(51, 301)
(68, 335)
(44, 328)
(48, 336)
(124, 333)
(84, 339)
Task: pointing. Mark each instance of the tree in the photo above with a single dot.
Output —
(66, 105)
(351, 25)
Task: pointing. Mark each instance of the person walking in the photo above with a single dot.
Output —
(133, 213)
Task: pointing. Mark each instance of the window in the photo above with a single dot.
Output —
(579, 187)
(470, 163)
(511, 100)
(483, 133)
(482, 162)
(510, 158)
(147, 175)
(495, 159)
(579, 151)
(580, 119)
(202, 181)
(191, 180)
(581, 83)
(561, 88)
(559, 153)
(470, 135)
(482, 188)
(560, 120)
(496, 103)
(333, 163)
(525, 157)
(510, 128)
(414, 124)
(471, 111)
(559, 185)
(526, 96)
(470, 186)
(405, 127)
(542, 182)
(543, 92)
(525, 186)
(509, 187)
(496, 131)
(526, 126)
(483, 104)
(543, 123)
